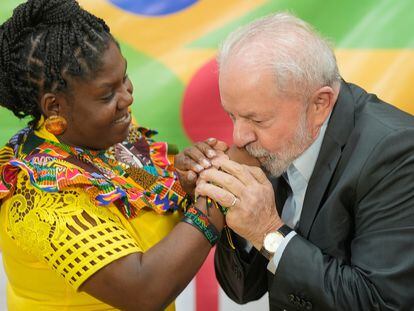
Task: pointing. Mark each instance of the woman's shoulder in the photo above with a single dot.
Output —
(65, 229)
(71, 201)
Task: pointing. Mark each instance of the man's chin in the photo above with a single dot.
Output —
(274, 171)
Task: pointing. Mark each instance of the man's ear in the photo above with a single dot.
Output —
(50, 105)
(320, 106)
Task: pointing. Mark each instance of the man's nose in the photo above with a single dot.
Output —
(243, 134)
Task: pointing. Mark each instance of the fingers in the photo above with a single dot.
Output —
(235, 169)
(193, 160)
(257, 173)
(200, 153)
(188, 176)
(198, 156)
(183, 162)
(220, 155)
(187, 180)
(223, 180)
(217, 144)
(220, 195)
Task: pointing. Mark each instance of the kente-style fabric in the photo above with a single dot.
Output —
(135, 174)
(61, 221)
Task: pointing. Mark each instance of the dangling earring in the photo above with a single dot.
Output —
(56, 125)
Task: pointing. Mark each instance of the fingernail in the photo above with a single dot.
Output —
(211, 154)
(211, 139)
(199, 168)
(206, 163)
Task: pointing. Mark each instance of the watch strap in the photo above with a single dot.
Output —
(284, 230)
(266, 254)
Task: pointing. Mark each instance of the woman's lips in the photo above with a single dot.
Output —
(126, 118)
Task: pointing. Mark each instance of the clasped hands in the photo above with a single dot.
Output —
(210, 169)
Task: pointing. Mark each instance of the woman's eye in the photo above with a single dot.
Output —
(108, 97)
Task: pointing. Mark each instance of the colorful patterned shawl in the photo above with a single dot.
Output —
(135, 174)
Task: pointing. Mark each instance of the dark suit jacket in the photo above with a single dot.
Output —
(355, 244)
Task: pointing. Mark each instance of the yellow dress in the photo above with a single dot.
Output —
(53, 242)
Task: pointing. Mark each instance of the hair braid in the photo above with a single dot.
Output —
(43, 43)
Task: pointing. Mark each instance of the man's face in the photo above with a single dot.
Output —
(272, 128)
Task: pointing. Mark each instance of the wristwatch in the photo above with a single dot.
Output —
(272, 241)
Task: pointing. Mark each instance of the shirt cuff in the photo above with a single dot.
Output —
(248, 247)
(274, 262)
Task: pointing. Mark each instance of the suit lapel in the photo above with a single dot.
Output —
(318, 183)
(339, 128)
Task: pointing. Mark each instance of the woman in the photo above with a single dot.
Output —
(90, 205)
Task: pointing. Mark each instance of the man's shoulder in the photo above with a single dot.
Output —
(377, 117)
(386, 116)
(379, 143)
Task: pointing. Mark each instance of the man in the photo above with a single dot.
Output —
(333, 226)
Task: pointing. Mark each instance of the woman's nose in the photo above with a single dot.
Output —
(126, 96)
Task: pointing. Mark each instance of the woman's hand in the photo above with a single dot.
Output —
(241, 156)
(194, 159)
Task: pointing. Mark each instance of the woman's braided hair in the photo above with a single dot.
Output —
(44, 42)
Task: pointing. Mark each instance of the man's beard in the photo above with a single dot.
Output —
(277, 163)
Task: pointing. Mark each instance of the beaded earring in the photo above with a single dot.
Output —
(56, 125)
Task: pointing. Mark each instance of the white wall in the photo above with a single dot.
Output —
(2, 286)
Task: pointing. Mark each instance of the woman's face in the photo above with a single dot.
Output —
(96, 109)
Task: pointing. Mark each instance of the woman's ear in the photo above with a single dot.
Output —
(49, 105)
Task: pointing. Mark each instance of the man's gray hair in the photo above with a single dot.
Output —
(300, 58)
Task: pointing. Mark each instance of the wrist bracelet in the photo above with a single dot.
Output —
(211, 202)
(198, 219)
(186, 202)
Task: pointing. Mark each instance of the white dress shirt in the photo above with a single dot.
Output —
(297, 176)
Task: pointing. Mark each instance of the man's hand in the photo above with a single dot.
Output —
(192, 160)
(248, 194)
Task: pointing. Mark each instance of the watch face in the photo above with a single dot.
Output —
(272, 241)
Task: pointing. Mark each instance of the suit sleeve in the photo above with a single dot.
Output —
(242, 275)
(379, 274)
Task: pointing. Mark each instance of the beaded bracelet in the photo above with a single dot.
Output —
(198, 219)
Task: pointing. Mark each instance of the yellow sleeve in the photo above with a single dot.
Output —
(65, 229)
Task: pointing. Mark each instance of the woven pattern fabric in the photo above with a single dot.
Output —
(65, 229)
(137, 173)
(67, 212)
